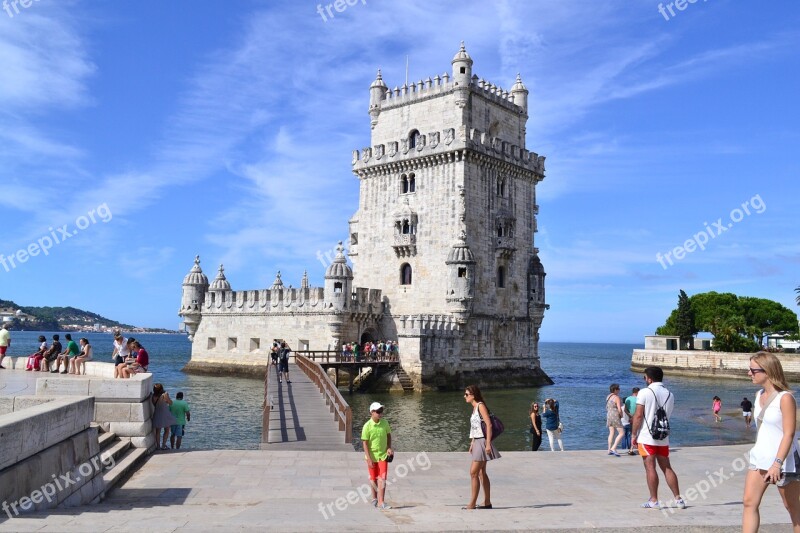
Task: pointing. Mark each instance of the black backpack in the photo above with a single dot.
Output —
(659, 429)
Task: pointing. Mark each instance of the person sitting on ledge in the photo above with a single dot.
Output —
(128, 357)
(35, 359)
(71, 351)
(141, 363)
(52, 353)
(85, 355)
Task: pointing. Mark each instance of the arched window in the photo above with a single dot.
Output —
(501, 186)
(412, 182)
(337, 287)
(499, 231)
(501, 277)
(406, 227)
(403, 184)
(412, 138)
(405, 274)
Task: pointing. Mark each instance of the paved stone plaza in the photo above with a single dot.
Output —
(282, 491)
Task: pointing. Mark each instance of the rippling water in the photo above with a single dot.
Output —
(226, 411)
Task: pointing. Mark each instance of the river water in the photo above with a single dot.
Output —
(226, 412)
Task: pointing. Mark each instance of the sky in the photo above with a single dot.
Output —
(136, 135)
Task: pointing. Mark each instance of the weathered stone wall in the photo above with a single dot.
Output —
(50, 454)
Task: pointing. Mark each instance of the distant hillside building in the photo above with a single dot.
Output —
(442, 247)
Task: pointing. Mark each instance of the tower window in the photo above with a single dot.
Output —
(463, 70)
(462, 272)
(405, 274)
(501, 186)
(412, 182)
(404, 184)
(337, 287)
(412, 138)
(501, 277)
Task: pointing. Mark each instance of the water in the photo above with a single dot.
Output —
(226, 412)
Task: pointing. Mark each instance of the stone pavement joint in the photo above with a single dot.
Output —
(285, 490)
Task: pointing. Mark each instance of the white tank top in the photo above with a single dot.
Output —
(770, 434)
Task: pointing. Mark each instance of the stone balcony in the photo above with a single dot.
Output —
(405, 245)
(504, 246)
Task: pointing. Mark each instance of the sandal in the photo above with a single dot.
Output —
(468, 508)
(485, 506)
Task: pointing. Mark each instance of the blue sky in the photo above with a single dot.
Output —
(225, 129)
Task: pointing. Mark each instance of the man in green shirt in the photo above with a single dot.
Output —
(71, 351)
(180, 410)
(376, 437)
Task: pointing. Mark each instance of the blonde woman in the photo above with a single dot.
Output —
(481, 448)
(774, 457)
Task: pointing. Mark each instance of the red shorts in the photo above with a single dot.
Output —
(379, 470)
(3, 350)
(649, 449)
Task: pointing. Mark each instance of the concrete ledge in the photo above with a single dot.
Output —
(246, 368)
(135, 389)
(24, 433)
(131, 429)
(708, 364)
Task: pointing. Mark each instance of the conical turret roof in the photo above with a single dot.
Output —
(220, 283)
(195, 275)
(339, 267)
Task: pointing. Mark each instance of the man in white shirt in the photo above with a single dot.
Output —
(654, 450)
(5, 342)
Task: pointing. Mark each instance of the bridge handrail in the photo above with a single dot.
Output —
(340, 408)
(266, 407)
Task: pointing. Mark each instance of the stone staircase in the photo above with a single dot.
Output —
(405, 381)
(126, 459)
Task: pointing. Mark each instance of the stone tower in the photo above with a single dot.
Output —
(195, 285)
(445, 227)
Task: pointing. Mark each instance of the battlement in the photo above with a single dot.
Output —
(441, 85)
(288, 300)
(438, 142)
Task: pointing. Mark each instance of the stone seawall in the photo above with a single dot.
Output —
(707, 364)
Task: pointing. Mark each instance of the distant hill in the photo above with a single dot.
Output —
(60, 319)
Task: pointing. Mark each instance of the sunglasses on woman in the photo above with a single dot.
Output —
(756, 370)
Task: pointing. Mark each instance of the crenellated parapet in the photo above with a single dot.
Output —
(432, 146)
(288, 300)
(427, 325)
(442, 85)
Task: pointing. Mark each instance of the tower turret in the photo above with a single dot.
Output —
(536, 274)
(462, 75)
(195, 285)
(520, 94)
(377, 92)
(220, 283)
(460, 279)
(338, 281)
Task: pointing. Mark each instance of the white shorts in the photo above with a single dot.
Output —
(747, 413)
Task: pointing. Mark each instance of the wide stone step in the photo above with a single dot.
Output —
(105, 440)
(122, 468)
(115, 450)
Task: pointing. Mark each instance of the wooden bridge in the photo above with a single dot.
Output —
(353, 368)
(309, 412)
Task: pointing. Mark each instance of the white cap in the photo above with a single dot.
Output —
(374, 406)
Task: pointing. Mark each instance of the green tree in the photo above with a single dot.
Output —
(738, 324)
(684, 322)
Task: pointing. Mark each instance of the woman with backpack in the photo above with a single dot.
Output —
(774, 459)
(481, 448)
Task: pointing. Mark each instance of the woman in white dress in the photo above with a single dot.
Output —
(774, 458)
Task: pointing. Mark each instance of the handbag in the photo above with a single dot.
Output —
(560, 426)
(497, 426)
